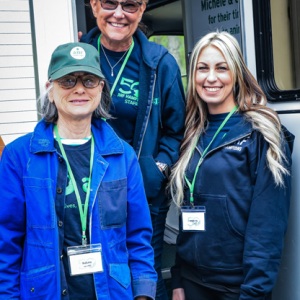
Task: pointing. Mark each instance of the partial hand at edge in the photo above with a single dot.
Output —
(80, 34)
(178, 294)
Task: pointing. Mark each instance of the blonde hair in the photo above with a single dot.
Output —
(250, 100)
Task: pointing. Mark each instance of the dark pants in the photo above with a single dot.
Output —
(158, 223)
(194, 291)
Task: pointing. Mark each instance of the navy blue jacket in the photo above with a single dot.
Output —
(246, 216)
(159, 128)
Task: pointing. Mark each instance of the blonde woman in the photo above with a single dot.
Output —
(232, 181)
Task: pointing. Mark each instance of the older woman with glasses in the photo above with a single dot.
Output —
(74, 219)
(148, 102)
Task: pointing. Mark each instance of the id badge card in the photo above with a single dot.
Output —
(85, 259)
(193, 218)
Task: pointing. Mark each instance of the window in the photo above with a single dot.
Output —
(277, 38)
(285, 44)
(175, 45)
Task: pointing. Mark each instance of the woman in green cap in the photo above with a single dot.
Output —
(74, 222)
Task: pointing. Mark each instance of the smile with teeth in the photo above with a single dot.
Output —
(117, 25)
(78, 101)
(212, 89)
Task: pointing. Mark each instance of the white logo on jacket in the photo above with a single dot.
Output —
(238, 145)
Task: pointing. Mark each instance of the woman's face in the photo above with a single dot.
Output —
(214, 81)
(117, 26)
(76, 103)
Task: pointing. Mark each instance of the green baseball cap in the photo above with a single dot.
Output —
(74, 57)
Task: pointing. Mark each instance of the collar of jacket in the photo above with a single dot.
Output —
(240, 130)
(106, 140)
(152, 52)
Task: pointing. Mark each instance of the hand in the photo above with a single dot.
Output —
(163, 168)
(178, 294)
(141, 298)
(80, 34)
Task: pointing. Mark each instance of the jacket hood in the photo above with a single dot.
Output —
(152, 52)
(289, 137)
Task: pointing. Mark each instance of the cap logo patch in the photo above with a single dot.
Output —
(77, 53)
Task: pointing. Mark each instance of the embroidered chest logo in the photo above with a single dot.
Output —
(129, 91)
(238, 146)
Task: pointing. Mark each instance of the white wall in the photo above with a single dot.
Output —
(55, 24)
(17, 85)
(27, 39)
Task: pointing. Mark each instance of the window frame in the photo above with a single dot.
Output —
(264, 55)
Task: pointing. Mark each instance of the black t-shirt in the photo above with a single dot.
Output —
(80, 286)
(126, 94)
(215, 122)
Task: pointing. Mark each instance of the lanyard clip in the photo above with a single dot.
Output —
(84, 241)
(192, 200)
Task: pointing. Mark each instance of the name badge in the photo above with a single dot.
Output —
(193, 218)
(85, 259)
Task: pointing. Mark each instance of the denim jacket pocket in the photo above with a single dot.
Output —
(39, 202)
(112, 198)
(38, 283)
(121, 273)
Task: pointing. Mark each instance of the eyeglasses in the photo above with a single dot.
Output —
(88, 81)
(129, 6)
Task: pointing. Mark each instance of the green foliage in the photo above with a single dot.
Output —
(175, 45)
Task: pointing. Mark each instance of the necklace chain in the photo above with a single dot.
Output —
(112, 67)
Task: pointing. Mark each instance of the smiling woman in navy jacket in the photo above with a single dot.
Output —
(232, 181)
(148, 102)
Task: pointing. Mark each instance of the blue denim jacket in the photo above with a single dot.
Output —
(119, 218)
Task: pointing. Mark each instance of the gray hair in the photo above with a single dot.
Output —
(49, 111)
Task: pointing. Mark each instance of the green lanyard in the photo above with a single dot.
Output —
(82, 212)
(191, 185)
(123, 64)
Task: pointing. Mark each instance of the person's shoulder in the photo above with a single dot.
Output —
(106, 133)
(151, 47)
(19, 146)
(90, 36)
(24, 139)
(288, 138)
(127, 148)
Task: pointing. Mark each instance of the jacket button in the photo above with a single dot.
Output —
(61, 257)
(60, 223)
(64, 292)
(59, 190)
(60, 159)
(32, 290)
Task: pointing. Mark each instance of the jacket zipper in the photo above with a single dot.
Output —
(223, 145)
(148, 117)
